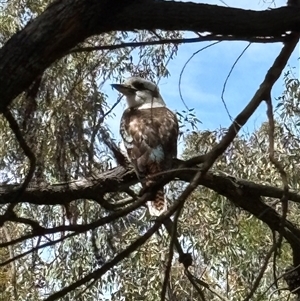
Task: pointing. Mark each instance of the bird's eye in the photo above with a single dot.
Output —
(138, 86)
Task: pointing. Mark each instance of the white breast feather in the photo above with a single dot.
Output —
(151, 104)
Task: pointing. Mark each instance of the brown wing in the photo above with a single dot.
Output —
(150, 137)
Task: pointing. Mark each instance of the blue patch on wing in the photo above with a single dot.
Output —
(157, 154)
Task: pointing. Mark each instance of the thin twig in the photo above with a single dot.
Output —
(195, 282)
(173, 238)
(85, 227)
(274, 263)
(28, 153)
(261, 272)
(184, 66)
(141, 240)
(178, 41)
(227, 78)
(48, 244)
(283, 174)
(195, 285)
(99, 272)
(13, 272)
(263, 93)
(278, 278)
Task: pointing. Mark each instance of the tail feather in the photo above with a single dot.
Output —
(158, 205)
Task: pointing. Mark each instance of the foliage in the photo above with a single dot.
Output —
(4, 273)
(64, 117)
(231, 243)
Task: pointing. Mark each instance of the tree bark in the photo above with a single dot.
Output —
(65, 23)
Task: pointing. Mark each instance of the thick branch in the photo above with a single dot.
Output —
(65, 23)
(114, 180)
(119, 179)
(244, 194)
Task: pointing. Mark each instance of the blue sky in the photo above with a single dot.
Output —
(204, 77)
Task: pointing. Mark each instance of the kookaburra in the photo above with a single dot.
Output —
(149, 131)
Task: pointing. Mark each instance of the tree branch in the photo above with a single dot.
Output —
(65, 23)
(263, 93)
(176, 42)
(32, 163)
(119, 179)
(244, 194)
(138, 242)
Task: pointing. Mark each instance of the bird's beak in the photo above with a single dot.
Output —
(123, 89)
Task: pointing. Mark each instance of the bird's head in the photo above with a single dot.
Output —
(140, 93)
